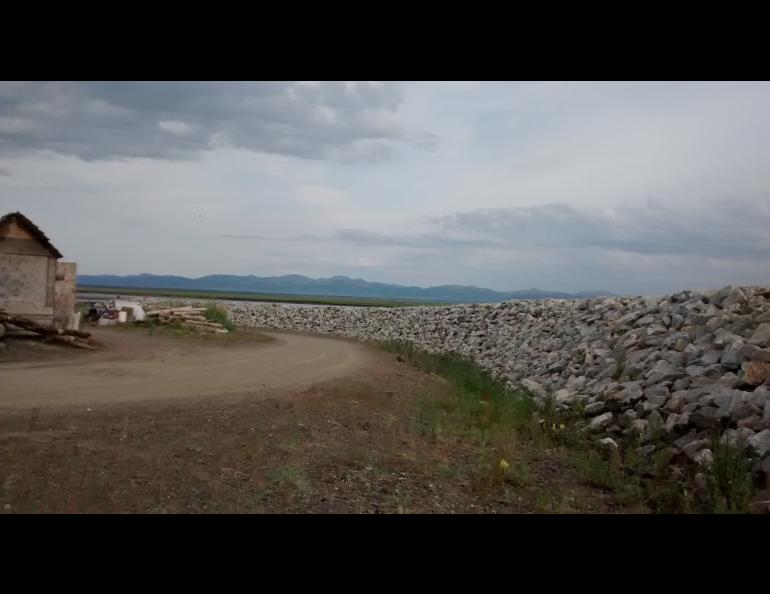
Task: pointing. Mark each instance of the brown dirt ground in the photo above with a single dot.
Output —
(137, 366)
(348, 444)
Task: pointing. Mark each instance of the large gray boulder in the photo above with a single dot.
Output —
(663, 371)
(534, 388)
(761, 442)
(718, 297)
(761, 336)
(733, 355)
(600, 421)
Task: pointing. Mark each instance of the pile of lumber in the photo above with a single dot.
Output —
(73, 338)
(188, 316)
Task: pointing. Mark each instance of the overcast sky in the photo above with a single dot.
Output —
(631, 187)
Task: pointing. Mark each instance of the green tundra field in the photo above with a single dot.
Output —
(245, 296)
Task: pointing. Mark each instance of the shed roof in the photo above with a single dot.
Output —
(33, 229)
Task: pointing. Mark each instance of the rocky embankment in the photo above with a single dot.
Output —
(671, 371)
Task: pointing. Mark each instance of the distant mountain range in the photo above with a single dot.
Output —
(338, 286)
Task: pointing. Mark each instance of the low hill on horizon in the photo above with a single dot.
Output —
(340, 286)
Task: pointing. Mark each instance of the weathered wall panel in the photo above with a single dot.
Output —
(64, 307)
(26, 284)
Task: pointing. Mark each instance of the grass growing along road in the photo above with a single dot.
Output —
(217, 313)
(509, 429)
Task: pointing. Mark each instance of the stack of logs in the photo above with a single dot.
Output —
(188, 316)
(73, 338)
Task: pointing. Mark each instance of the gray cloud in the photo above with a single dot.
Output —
(422, 240)
(362, 237)
(177, 120)
(305, 237)
(723, 230)
(530, 185)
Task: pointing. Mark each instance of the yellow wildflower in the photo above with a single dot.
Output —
(504, 465)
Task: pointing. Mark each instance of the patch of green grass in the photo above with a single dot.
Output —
(153, 327)
(643, 480)
(429, 418)
(450, 471)
(728, 480)
(399, 502)
(292, 477)
(508, 469)
(482, 410)
(499, 463)
(499, 421)
(637, 478)
(620, 366)
(672, 497)
(598, 470)
(389, 419)
(217, 313)
(482, 404)
(551, 501)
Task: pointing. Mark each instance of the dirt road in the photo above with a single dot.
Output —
(294, 424)
(135, 367)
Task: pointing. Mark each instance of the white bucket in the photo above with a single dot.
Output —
(122, 317)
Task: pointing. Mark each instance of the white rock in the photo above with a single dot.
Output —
(761, 442)
(609, 443)
(534, 388)
(704, 458)
(600, 421)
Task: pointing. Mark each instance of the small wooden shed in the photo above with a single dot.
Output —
(33, 283)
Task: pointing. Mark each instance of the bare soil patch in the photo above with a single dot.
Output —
(352, 443)
(131, 365)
